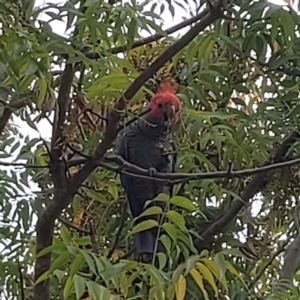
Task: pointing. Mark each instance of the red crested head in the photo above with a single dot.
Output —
(165, 105)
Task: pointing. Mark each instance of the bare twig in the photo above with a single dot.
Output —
(71, 225)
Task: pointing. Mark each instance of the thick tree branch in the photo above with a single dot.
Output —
(258, 183)
(62, 195)
(152, 38)
(115, 116)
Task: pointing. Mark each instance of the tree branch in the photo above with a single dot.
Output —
(129, 169)
(62, 195)
(71, 225)
(258, 183)
(115, 116)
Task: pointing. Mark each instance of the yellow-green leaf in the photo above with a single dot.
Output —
(183, 202)
(198, 279)
(162, 197)
(144, 226)
(214, 268)
(180, 288)
(233, 271)
(153, 210)
(42, 90)
(113, 190)
(171, 230)
(208, 276)
(177, 219)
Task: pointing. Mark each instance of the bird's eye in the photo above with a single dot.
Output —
(159, 105)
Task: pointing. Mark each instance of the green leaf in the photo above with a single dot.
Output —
(60, 261)
(97, 291)
(220, 261)
(65, 234)
(82, 241)
(171, 230)
(42, 82)
(76, 264)
(89, 261)
(148, 224)
(177, 219)
(153, 210)
(68, 287)
(190, 263)
(31, 68)
(166, 242)
(89, 3)
(162, 197)
(162, 260)
(79, 284)
(52, 248)
(183, 202)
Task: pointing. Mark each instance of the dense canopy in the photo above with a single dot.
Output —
(232, 227)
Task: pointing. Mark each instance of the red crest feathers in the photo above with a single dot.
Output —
(168, 86)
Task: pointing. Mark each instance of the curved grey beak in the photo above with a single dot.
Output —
(170, 112)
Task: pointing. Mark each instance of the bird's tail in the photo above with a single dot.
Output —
(145, 242)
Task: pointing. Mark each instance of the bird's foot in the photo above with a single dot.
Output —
(152, 172)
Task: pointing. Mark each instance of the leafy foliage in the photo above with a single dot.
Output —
(239, 85)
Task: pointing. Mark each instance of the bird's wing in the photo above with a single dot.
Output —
(130, 184)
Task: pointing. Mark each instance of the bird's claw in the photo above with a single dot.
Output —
(152, 172)
(120, 168)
